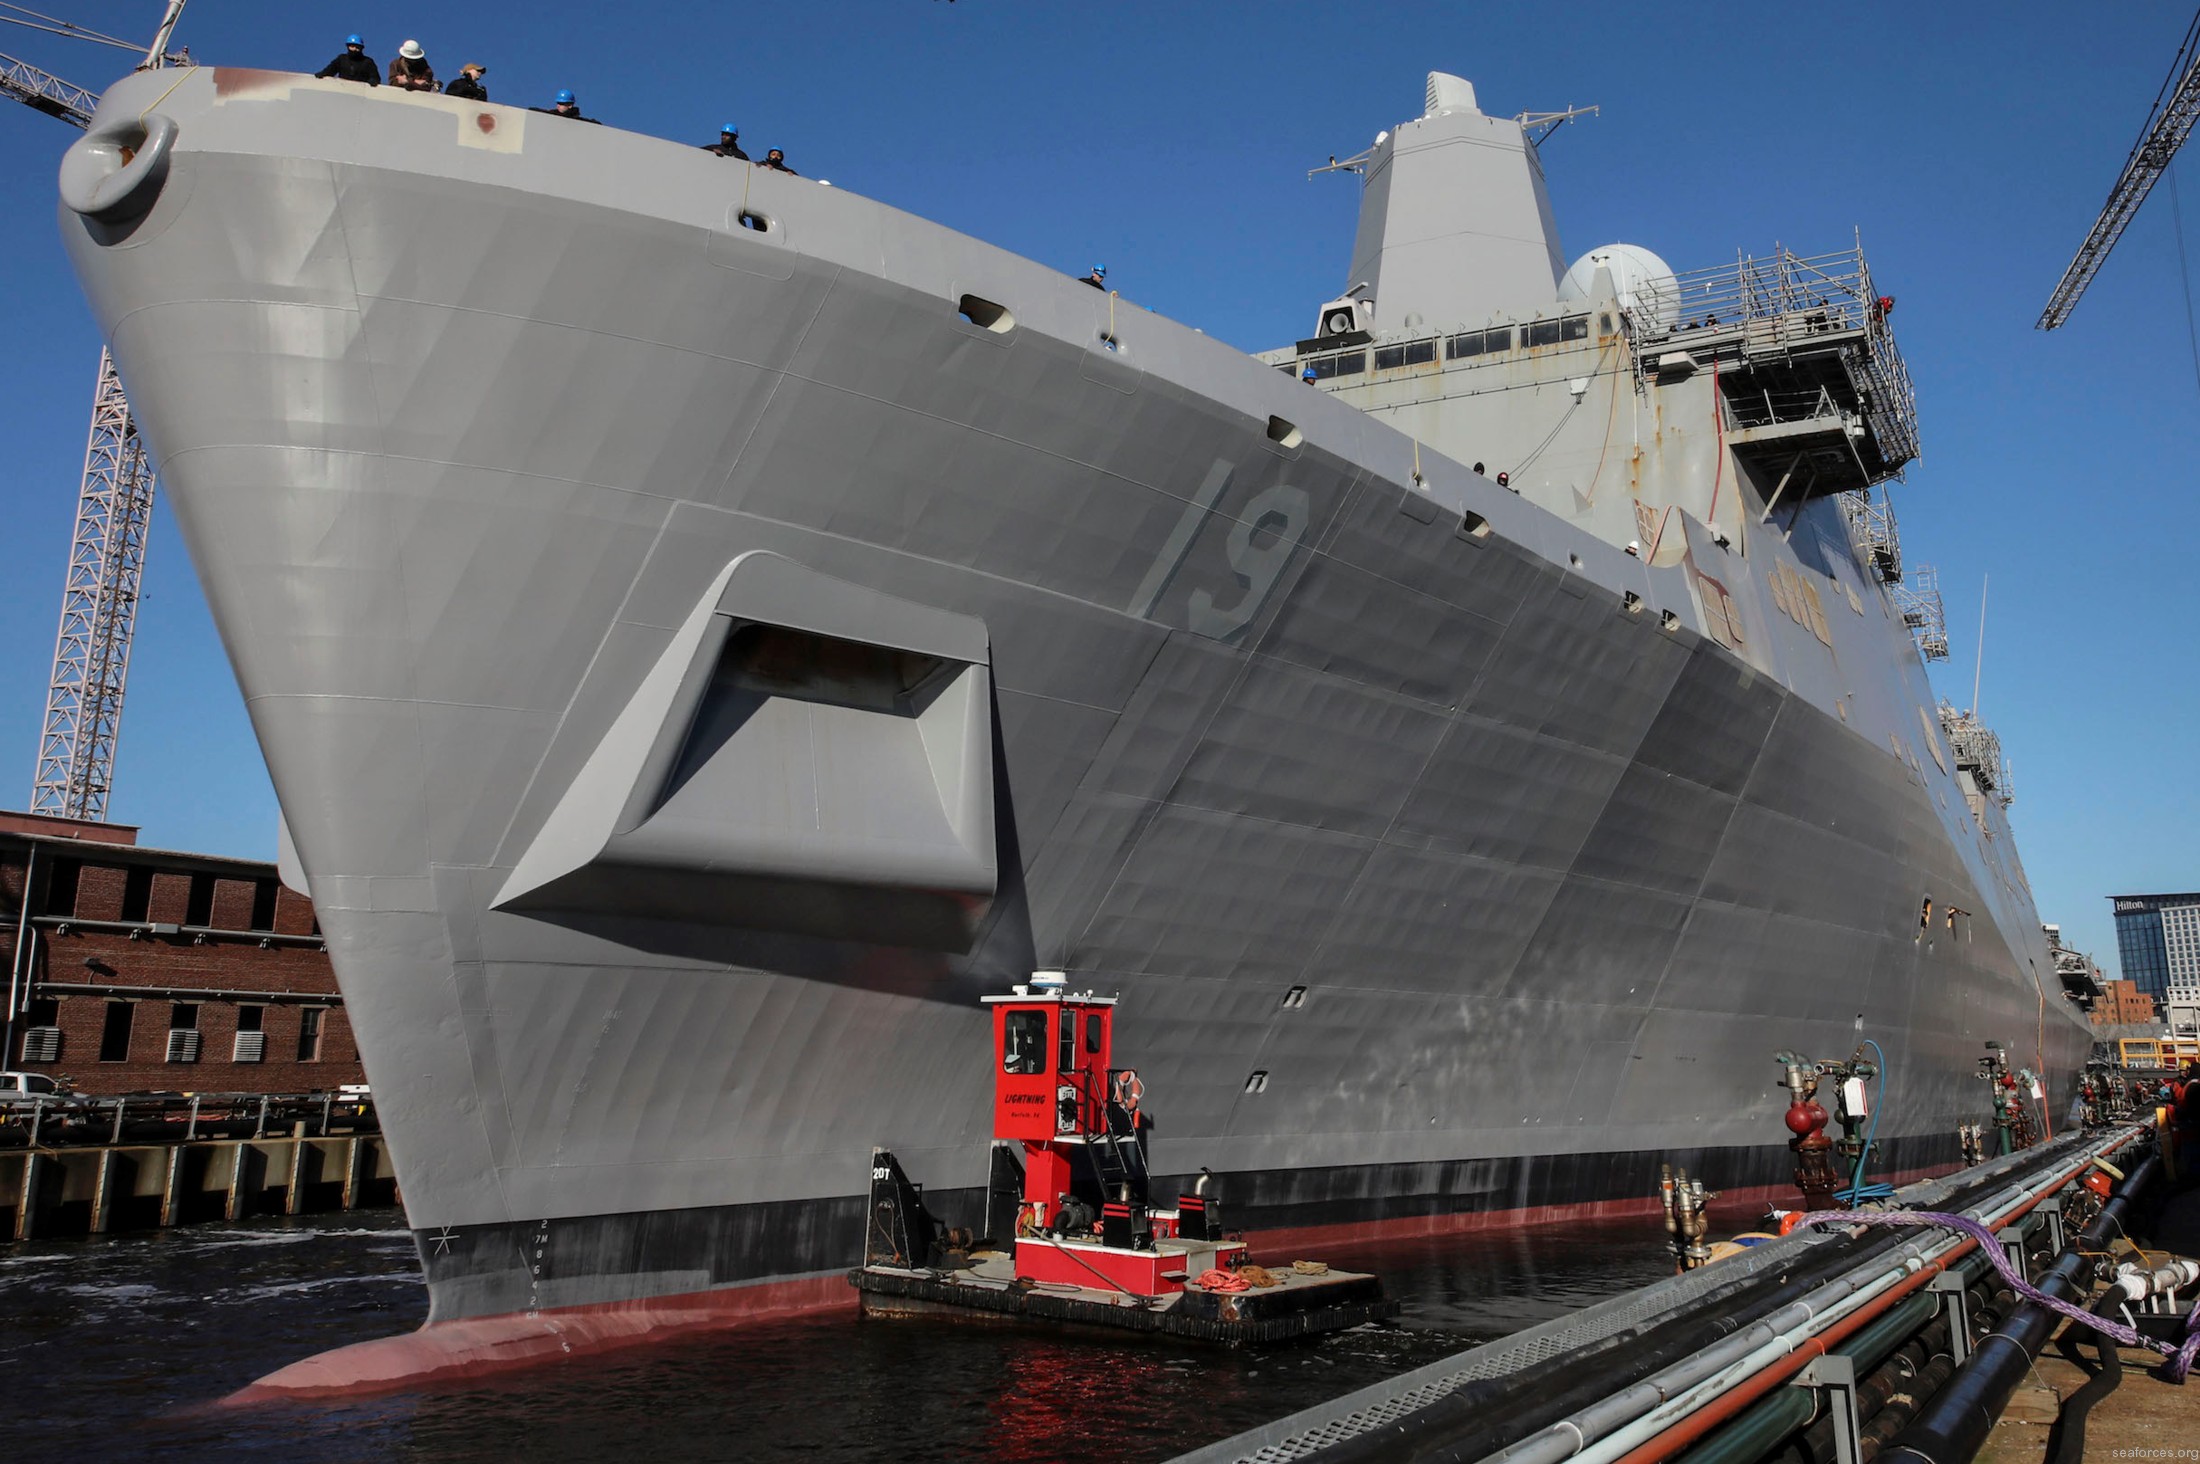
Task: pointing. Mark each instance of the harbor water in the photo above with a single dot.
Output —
(120, 1348)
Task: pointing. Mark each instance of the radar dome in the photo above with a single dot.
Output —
(1643, 282)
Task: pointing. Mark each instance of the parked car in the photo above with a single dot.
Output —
(16, 1088)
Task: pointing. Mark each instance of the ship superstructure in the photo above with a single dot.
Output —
(707, 630)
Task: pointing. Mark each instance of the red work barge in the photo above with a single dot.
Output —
(1074, 1237)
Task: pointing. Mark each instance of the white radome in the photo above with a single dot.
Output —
(1643, 282)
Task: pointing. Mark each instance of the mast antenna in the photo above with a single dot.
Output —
(1979, 671)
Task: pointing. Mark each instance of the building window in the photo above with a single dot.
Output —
(114, 1033)
(42, 1037)
(251, 1041)
(137, 892)
(309, 1033)
(183, 1032)
(199, 908)
(61, 882)
(263, 905)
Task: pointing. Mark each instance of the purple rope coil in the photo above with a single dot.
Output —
(2180, 1359)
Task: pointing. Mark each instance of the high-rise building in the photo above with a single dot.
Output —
(2158, 941)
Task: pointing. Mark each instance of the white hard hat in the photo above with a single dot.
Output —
(411, 51)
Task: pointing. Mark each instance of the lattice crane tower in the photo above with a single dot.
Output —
(99, 600)
(114, 510)
(2176, 108)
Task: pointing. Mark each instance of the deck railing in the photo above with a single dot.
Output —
(1786, 303)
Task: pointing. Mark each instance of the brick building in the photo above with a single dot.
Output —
(2122, 1002)
(135, 970)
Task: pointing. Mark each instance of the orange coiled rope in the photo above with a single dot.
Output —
(1220, 1281)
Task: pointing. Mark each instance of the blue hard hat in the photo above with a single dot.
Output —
(1099, 269)
(1309, 374)
(565, 98)
(353, 41)
(732, 127)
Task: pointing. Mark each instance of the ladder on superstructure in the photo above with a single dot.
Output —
(114, 511)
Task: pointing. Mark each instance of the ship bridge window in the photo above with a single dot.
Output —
(1350, 363)
(1024, 1044)
(1479, 343)
(1412, 353)
(1069, 1042)
(1551, 332)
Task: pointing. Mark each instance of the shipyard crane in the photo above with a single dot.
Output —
(2169, 123)
(114, 512)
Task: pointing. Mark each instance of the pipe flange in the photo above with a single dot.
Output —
(114, 173)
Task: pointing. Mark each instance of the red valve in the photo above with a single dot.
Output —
(1805, 1118)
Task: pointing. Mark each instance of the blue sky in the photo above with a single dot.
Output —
(1972, 145)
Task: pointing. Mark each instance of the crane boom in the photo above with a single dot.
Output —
(46, 92)
(2176, 108)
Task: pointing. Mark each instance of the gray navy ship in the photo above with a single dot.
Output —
(708, 629)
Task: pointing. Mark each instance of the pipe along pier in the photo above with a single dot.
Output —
(89, 1166)
(1863, 1335)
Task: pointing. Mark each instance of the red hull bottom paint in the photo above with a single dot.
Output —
(461, 1351)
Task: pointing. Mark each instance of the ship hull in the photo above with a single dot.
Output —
(1440, 872)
